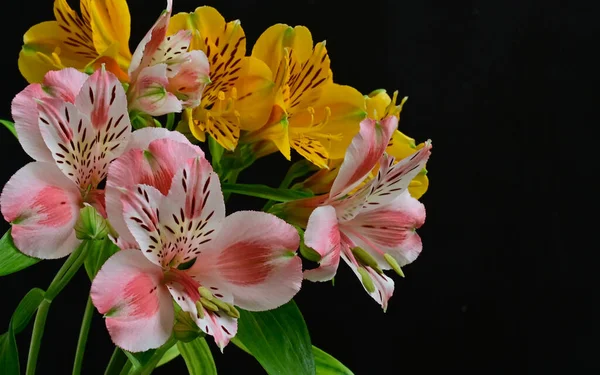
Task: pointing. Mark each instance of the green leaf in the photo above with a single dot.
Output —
(198, 357)
(10, 126)
(100, 251)
(26, 309)
(266, 192)
(278, 339)
(138, 360)
(327, 365)
(11, 259)
(297, 170)
(170, 355)
(9, 354)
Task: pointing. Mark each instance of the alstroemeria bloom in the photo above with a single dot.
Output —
(73, 125)
(188, 249)
(380, 106)
(164, 76)
(312, 115)
(240, 95)
(372, 229)
(99, 36)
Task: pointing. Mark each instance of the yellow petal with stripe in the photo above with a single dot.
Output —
(271, 44)
(111, 23)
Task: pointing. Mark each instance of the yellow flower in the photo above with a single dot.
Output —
(311, 114)
(239, 96)
(379, 106)
(99, 36)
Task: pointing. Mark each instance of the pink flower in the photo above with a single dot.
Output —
(372, 229)
(179, 244)
(164, 76)
(73, 125)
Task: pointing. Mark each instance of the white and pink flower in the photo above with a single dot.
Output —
(380, 217)
(165, 77)
(165, 202)
(73, 125)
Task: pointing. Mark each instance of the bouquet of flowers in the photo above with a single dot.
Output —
(135, 156)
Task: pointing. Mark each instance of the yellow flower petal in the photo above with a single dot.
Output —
(255, 94)
(78, 33)
(111, 23)
(34, 65)
(270, 45)
(418, 186)
(312, 150)
(377, 102)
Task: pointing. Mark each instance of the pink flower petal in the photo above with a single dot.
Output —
(142, 56)
(322, 235)
(254, 258)
(148, 93)
(24, 112)
(191, 78)
(152, 160)
(391, 181)
(139, 309)
(64, 84)
(102, 99)
(192, 212)
(72, 140)
(363, 153)
(141, 214)
(384, 286)
(389, 229)
(173, 51)
(43, 206)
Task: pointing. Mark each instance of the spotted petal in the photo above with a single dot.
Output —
(138, 309)
(149, 92)
(362, 154)
(192, 212)
(191, 78)
(64, 84)
(43, 206)
(24, 112)
(153, 159)
(254, 259)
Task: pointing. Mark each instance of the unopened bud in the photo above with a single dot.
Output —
(394, 264)
(366, 280)
(366, 259)
(90, 225)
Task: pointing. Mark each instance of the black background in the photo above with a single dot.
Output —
(493, 84)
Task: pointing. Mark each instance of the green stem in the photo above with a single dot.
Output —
(62, 278)
(170, 121)
(126, 367)
(116, 363)
(231, 178)
(149, 366)
(36, 336)
(83, 335)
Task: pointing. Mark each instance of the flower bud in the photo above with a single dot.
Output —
(90, 225)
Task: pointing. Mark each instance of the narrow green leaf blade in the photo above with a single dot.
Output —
(101, 251)
(327, 365)
(11, 259)
(10, 126)
(198, 357)
(170, 355)
(9, 354)
(26, 309)
(278, 339)
(265, 192)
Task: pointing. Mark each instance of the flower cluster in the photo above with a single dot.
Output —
(88, 119)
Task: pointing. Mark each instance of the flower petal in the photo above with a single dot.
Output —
(111, 22)
(141, 215)
(362, 154)
(383, 285)
(191, 78)
(64, 84)
(149, 92)
(254, 259)
(154, 157)
(322, 234)
(139, 310)
(389, 229)
(43, 206)
(142, 56)
(192, 212)
(72, 140)
(102, 98)
(24, 112)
